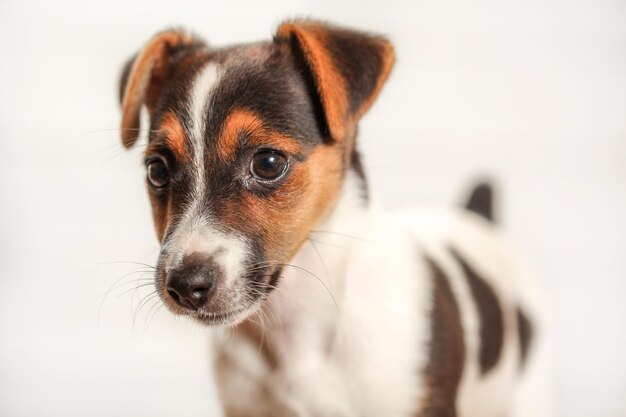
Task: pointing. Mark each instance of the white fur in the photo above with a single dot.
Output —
(360, 352)
(196, 234)
(200, 94)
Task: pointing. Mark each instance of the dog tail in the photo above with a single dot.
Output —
(481, 201)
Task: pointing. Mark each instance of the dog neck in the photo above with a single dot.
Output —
(333, 310)
(300, 315)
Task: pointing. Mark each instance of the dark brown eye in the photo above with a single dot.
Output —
(268, 165)
(158, 176)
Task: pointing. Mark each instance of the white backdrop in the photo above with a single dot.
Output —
(531, 93)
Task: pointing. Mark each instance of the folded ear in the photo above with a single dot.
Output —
(144, 76)
(348, 68)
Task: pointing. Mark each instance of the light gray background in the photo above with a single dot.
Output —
(532, 93)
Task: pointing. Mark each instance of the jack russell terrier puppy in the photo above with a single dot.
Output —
(324, 305)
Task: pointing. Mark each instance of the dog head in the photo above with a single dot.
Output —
(247, 149)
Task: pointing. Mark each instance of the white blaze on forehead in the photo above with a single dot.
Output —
(194, 232)
(200, 96)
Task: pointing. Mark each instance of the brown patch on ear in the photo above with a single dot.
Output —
(244, 122)
(146, 78)
(348, 69)
(330, 86)
(388, 59)
(172, 128)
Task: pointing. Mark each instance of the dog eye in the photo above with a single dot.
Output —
(158, 176)
(268, 165)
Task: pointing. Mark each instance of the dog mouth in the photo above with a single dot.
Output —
(217, 316)
(230, 318)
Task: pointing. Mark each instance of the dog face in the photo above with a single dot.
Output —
(248, 147)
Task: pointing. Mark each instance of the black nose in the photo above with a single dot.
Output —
(193, 283)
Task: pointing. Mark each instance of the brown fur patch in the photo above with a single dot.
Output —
(490, 315)
(284, 219)
(331, 86)
(172, 128)
(243, 122)
(160, 213)
(324, 166)
(447, 350)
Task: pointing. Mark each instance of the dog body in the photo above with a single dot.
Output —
(332, 307)
(395, 279)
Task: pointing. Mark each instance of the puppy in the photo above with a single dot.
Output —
(323, 304)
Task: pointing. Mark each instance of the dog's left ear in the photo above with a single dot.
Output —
(348, 68)
(145, 75)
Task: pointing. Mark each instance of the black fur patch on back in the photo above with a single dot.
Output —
(447, 350)
(481, 201)
(489, 313)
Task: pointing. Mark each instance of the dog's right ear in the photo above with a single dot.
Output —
(348, 68)
(144, 76)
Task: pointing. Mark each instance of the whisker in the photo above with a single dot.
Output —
(275, 263)
(148, 284)
(117, 284)
(160, 306)
(121, 150)
(147, 319)
(145, 300)
(263, 319)
(97, 155)
(321, 242)
(116, 146)
(319, 255)
(126, 262)
(115, 129)
(345, 235)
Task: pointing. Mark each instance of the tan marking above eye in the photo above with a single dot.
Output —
(241, 122)
(172, 128)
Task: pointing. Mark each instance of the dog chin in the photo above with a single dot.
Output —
(229, 319)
